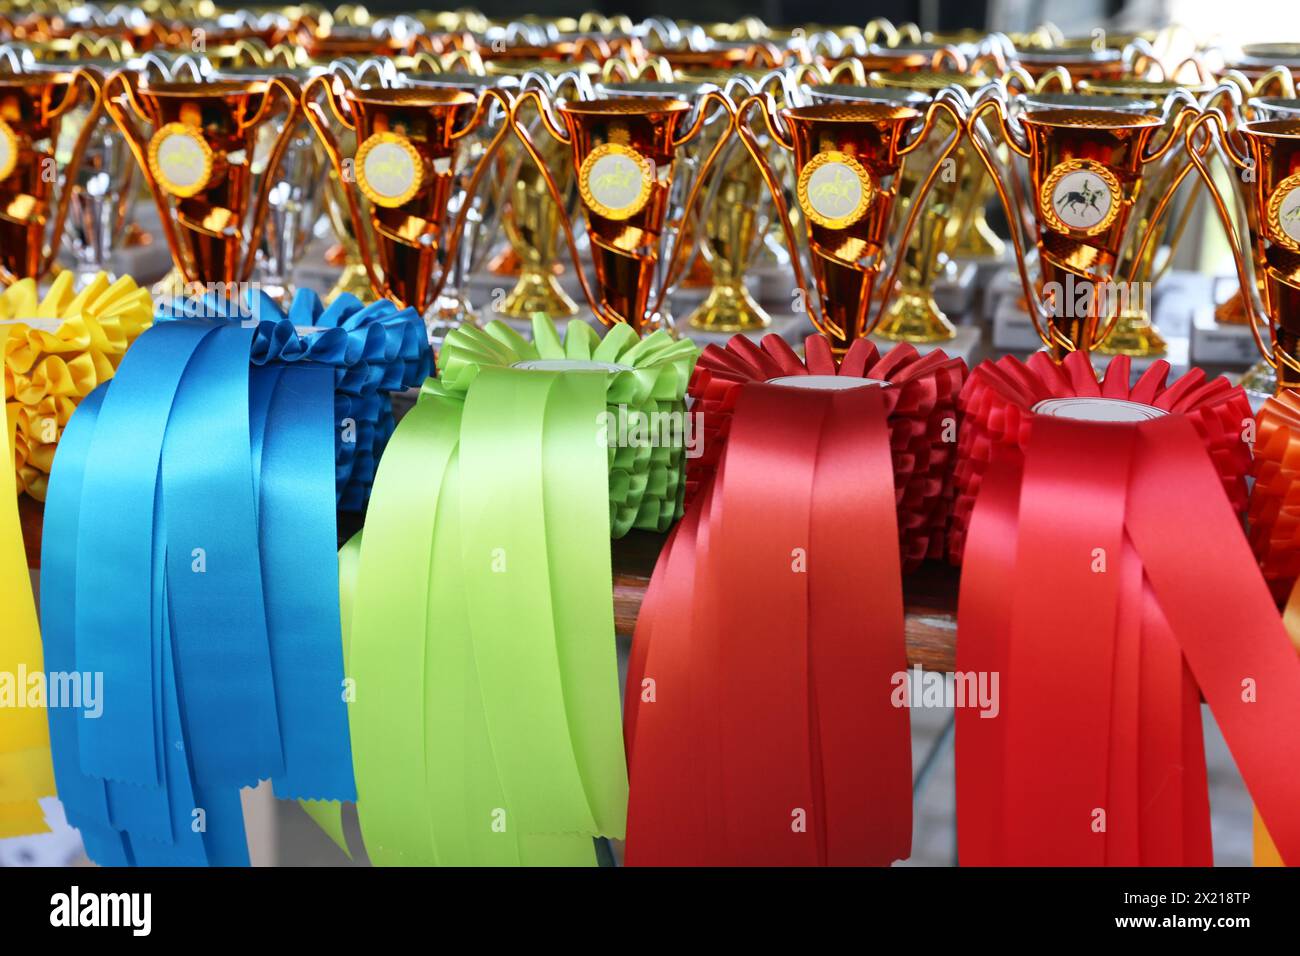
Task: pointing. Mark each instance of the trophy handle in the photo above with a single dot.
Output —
(950, 58)
(880, 27)
(293, 110)
(554, 129)
(85, 81)
(771, 119)
(125, 109)
(940, 104)
(1037, 314)
(1215, 117)
(850, 66)
(676, 261)
(489, 95)
(320, 123)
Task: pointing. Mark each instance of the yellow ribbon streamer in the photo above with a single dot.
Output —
(59, 348)
(26, 773)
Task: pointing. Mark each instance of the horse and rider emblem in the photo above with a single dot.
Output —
(615, 181)
(1284, 213)
(389, 169)
(1080, 197)
(180, 159)
(834, 189)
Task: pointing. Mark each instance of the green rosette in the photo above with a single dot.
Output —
(485, 716)
(645, 402)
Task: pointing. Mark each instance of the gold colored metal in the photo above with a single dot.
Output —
(8, 149)
(389, 169)
(180, 160)
(1283, 213)
(1092, 183)
(835, 190)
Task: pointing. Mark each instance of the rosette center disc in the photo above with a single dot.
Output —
(570, 365)
(829, 383)
(1087, 409)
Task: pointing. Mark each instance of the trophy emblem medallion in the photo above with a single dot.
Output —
(8, 150)
(1284, 213)
(615, 181)
(835, 190)
(389, 169)
(180, 159)
(1080, 198)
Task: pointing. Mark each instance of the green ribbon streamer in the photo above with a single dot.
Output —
(480, 635)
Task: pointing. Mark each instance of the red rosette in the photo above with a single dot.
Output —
(997, 408)
(922, 412)
(1274, 515)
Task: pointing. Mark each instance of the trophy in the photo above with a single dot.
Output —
(410, 173)
(849, 165)
(1086, 166)
(1265, 158)
(36, 183)
(201, 160)
(625, 151)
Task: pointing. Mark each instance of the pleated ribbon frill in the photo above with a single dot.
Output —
(374, 348)
(189, 573)
(60, 347)
(1108, 584)
(481, 639)
(766, 705)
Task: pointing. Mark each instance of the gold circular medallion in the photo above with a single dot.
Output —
(180, 159)
(1284, 213)
(8, 150)
(835, 190)
(389, 169)
(1080, 197)
(615, 181)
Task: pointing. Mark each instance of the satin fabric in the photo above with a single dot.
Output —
(1128, 571)
(481, 639)
(374, 349)
(26, 773)
(923, 424)
(762, 722)
(188, 557)
(60, 348)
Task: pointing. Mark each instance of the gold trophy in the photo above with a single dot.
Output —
(198, 160)
(1085, 168)
(34, 191)
(625, 152)
(849, 164)
(1264, 156)
(408, 168)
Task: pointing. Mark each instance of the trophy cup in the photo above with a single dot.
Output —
(199, 162)
(411, 169)
(1265, 156)
(624, 153)
(849, 160)
(35, 193)
(1086, 167)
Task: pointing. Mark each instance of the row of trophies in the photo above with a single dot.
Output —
(859, 161)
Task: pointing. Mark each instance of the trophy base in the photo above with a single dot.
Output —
(1259, 379)
(729, 308)
(352, 280)
(914, 317)
(1219, 343)
(1134, 335)
(537, 294)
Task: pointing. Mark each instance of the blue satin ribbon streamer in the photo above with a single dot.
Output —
(373, 348)
(195, 503)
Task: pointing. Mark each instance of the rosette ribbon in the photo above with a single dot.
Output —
(60, 347)
(1108, 582)
(25, 770)
(375, 349)
(764, 723)
(922, 419)
(188, 567)
(481, 643)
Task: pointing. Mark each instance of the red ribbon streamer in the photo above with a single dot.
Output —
(1103, 664)
(761, 722)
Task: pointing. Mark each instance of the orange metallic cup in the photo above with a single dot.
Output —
(848, 163)
(32, 198)
(198, 159)
(409, 161)
(1086, 168)
(625, 152)
(1265, 160)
